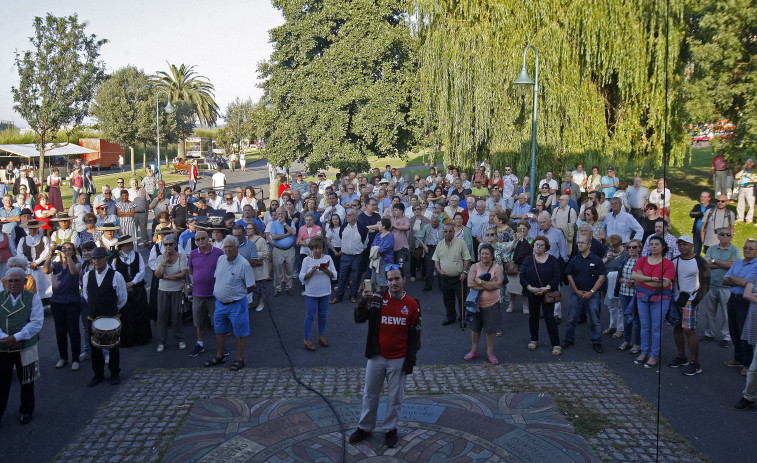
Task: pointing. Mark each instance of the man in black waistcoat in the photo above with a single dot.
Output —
(104, 290)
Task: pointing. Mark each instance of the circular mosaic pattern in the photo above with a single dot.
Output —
(460, 428)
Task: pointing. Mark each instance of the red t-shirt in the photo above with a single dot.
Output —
(282, 188)
(643, 266)
(397, 316)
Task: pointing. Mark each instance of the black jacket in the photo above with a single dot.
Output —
(369, 310)
(697, 213)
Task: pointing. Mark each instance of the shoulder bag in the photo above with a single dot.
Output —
(550, 297)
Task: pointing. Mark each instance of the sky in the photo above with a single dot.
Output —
(225, 40)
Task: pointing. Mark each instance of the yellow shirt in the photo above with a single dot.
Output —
(451, 257)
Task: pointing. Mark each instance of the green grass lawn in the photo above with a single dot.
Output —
(686, 183)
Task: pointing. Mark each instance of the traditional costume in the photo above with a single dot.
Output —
(35, 249)
(135, 315)
(21, 317)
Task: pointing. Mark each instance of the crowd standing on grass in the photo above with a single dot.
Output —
(475, 237)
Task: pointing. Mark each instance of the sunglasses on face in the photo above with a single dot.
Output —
(722, 201)
(491, 234)
(391, 267)
(724, 234)
(635, 246)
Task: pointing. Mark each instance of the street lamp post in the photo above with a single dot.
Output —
(168, 109)
(525, 80)
(239, 137)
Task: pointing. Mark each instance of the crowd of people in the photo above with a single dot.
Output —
(481, 241)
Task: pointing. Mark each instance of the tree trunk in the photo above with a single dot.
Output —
(144, 156)
(179, 149)
(133, 174)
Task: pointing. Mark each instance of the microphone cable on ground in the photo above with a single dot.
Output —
(309, 388)
(665, 156)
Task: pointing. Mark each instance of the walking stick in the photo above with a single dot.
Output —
(462, 306)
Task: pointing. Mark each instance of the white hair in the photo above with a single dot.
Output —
(16, 271)
(231, 239)
(18, 262)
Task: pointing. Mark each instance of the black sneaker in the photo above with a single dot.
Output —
(692, 368)
(566, 344)
(743, 404)
(677, 362)
(358, 435)
(725, 344)
(706, 338)
(391, 438)
(198, 349)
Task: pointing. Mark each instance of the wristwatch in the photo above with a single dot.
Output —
(592, 291)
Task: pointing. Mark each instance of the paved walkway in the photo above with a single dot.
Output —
(141, 420)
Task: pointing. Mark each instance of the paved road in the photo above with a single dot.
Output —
(698, 407)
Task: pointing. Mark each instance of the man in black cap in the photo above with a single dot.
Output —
(104, 290)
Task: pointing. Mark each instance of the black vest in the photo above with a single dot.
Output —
(128, 271)
(192, 244)
(103, 300)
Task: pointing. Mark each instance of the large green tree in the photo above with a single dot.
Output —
(117, 106)
(57, 77)
(602, 80)
(722, 65)
(340, 82)
(185, 85)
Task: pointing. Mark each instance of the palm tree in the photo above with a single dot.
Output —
(184, 84)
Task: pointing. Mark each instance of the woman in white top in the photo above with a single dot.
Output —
(172, 270)
(268, 217)
(316, 275)
(260, 266)
(580, 177)
(333, 239)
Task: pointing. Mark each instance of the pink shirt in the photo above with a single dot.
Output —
(303, 235)
(400, 236)
(488, 297)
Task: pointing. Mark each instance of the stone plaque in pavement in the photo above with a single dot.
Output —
(445, 428)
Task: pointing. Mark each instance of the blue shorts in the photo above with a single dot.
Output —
(232, 315)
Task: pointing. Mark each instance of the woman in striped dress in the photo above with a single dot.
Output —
(125, 214)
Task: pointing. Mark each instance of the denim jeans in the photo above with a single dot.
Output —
(651, 318)
(84, 314)
(348, 266)
(631, 324)
(577, 305)
(66, 318)
(738, 307)
(313, 305)
(404, 255)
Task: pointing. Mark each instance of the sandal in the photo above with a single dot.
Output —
(322, 341)
(532, 345)
(641, 359)
(556, 350)
(618, 335)
(650, 363)
(609, 331)
(237, 365)
(635, 350)
(309, 345)
(493, 360)
(624, 346)
(215, 361)
(470, 356)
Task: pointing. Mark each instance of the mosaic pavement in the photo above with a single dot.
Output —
(461, 428)
(144, 417)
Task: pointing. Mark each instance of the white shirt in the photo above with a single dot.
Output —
(338, 210)
(214, 203)
(33, 241)
(623, 224)
(128, 259)
(60, 236)
(687, 277)
(218, 181)
(119, 284)
(352, 242)
(319, 284)
(478, 223)
(36, 318)
(579, 178)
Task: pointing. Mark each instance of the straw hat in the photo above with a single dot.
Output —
(108, 226)
(165, 230)
(61, 217)
(124, 239)
(31, 224)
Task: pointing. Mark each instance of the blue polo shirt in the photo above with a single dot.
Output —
(742, 269)
(585, 270)
(277, 228)
(8, 227)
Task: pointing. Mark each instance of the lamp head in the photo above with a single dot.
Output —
(169, 107)
(523, 78)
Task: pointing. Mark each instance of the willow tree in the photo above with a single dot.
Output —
(602, 80)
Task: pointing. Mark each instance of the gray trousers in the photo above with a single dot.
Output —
(286, 258)
(721, 182)
(716, 302)
(750, 390)
(746, 199)
(169, 306)
(140, 224)
(378, 369)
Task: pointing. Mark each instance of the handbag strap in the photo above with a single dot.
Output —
(537, 272)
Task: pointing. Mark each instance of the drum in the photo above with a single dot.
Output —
(106, 332)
